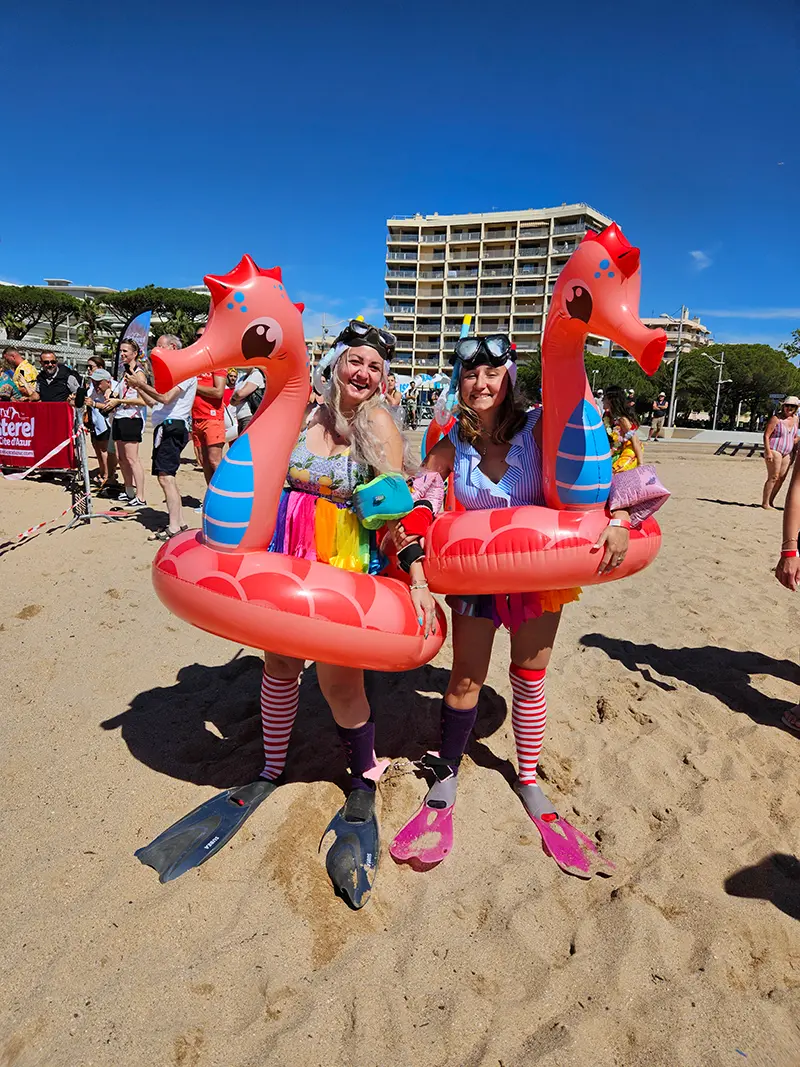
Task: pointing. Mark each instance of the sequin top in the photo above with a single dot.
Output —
(333, 478)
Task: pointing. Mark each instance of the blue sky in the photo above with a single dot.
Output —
(158, 142)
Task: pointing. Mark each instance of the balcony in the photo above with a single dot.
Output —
(532, 251)
(434, 238)
(437, 257)
(430, 274)
(495, 309)
(564, 248)
(555, 268)
(529, 290)
(401, 274)
(496, 290)
(426, 361)
(467, 272)
(399, 309)
(467, 290)
(392, 255)
(497, 272)
(526, 326)
(536, 271)
(428, 346)
(399, 290)
(402, 239)
(571, 227)
(463, 235)
(466, 255)
(498, 253)
(500, 235)
(541, 234)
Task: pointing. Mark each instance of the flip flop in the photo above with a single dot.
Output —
(165, 535)
(572, 850)
(791, 719)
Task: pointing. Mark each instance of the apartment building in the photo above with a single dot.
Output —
(499, 266)
(692, 332)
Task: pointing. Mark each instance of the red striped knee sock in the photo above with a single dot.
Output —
(279, 700)
(528, 719)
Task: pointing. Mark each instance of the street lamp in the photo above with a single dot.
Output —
(673, 400)
(719, 364)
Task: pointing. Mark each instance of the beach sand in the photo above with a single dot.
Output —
(664, 741)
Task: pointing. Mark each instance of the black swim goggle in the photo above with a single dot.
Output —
(358, 333)
(494, 349)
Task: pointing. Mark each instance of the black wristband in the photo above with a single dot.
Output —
(410, 554)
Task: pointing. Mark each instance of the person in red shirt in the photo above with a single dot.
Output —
(208, 418)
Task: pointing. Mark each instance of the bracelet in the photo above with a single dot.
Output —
(418, 585)
(789, 553)
(624, 523)
(408, 555)
(789, 541)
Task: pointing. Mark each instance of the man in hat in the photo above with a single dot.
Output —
(660, 409)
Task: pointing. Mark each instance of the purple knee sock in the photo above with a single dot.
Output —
(359, 749)
(456, 727)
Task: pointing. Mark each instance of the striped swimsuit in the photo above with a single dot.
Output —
(520, 485)
(783, 436)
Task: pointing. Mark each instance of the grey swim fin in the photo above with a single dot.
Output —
(203, 832)
(352, 858)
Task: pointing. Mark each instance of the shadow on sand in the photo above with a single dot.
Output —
(776, 878)
(206, 728)
(720, 672)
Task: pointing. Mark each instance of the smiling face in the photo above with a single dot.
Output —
(360, 372)
(483, 388)
(391, 384)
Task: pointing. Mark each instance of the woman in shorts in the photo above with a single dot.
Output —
(127, 408)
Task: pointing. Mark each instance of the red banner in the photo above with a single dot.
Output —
(28, 431)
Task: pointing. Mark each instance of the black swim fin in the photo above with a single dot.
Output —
(203, 832)
(352, 859)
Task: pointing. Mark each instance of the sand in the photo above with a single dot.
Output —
(664, 741)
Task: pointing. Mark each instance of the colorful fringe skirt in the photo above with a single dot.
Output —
(512, 609)
(312, 527)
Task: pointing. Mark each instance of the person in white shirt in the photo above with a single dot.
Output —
(171, 414)
(247, 395)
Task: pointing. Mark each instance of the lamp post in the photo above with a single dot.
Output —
(673, 400)
(719, 364)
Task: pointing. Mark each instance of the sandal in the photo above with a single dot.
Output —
(791, 719)
(166, 534)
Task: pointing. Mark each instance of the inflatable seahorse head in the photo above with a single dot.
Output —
(252, 322)
(598, 292)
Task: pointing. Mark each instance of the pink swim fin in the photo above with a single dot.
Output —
(572, 850)
(426, 839)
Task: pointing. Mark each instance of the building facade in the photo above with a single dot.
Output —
(500, 267)
(692, 332)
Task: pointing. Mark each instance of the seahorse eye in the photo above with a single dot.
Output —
(261, 338)
(579, 305)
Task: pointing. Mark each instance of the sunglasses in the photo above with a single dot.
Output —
(357, 332)
(48, 363)
(494, 350)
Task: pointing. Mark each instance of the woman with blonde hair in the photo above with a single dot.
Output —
(349, 439)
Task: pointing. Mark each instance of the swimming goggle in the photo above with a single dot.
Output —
(495, 349)
(358, 333)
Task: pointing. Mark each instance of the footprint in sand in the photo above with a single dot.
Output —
(29, 611)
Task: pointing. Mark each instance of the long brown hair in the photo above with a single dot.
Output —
(510, 419)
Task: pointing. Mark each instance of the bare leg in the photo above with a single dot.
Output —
(472, 651)
(343, 688)
(783, 470)
(773, 470)
(101, 455)
(211, 459)
(169, 484)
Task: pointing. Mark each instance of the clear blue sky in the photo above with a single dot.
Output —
(158, 142)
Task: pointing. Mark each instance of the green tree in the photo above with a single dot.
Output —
(57, 308)
(164, 303)
(792, 348)
(22, 307)
(181, 323)
(93, 330)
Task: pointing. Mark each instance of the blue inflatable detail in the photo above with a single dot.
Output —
(234, 475)
(583, 462)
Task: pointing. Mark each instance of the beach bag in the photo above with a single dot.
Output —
(638, 491)
(385, 498)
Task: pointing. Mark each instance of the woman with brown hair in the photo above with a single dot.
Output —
(493, 453)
